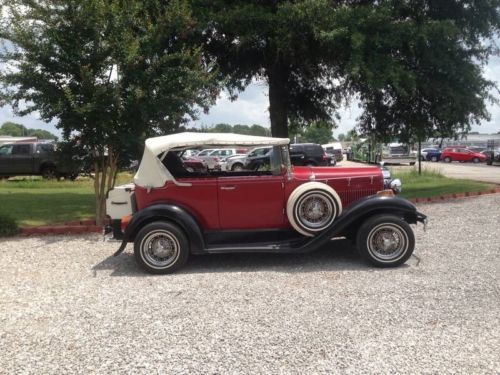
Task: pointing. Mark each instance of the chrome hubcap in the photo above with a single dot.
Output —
(160, 248)
(387, 242)
(315, 211)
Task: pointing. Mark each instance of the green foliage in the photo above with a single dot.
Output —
(18, 130)
(415, 65)
(423, 77)
(238, 129)
(13, 129)
(319, 132)
(111, 71)
(8, 226)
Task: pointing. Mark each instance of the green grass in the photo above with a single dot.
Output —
(39, 202)
(433, 183)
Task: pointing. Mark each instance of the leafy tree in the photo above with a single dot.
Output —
(110, 71)
(416, 65)
(41, 134)
(341, 137)
(320, 132)
(426, 79)
(19, 130)
(283, 42)
(13, 129)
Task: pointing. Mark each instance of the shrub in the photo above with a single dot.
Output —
(8, 226)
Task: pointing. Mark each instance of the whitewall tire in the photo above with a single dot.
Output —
(312, 207)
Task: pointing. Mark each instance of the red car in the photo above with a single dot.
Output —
(170, 213)
(461, 154)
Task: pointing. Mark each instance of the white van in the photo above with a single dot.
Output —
(334, 148)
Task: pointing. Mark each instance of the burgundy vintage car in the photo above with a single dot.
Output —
(170, 212)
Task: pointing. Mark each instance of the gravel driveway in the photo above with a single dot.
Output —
(66, 306)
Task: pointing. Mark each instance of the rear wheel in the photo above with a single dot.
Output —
(385, 241)
(161, 248)
(434, 158)
(49, 173)
(237, 167)
(447, 159)
(476, 160)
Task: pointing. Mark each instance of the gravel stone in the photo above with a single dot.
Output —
(68, 306)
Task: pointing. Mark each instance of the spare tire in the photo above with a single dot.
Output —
(312, 207)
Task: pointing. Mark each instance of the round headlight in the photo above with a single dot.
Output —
(396, 185)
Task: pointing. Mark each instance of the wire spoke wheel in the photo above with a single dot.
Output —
(315, 211)
(385, 240)
(161, 247)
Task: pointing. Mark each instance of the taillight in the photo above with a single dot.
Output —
(323, 157)
(216, 159)
(124, 222)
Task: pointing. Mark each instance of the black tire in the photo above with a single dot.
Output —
(236, 167)
(175, 238)
(395, 228)
(476, 160)
(434, 158)
(310, 164)
(447, 159)
(49, 173)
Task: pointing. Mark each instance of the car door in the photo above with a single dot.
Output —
(251, 202)
(21, 159)
(462, 154)
(5, 156)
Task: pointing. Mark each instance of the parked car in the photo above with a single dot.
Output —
(32, 158)
(461, 154)
(493, 156)
(194, 164)
(237, 162)
(169, 213)
(311, 154)
(425, 151)
(433, 155)
(334, 149)
(213, 157)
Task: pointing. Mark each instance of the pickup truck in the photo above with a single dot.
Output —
(31, 158)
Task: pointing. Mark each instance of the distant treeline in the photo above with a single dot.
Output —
(227, 128)
(17, 130)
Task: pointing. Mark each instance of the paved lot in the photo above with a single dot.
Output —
(66, 306)
(469, 171)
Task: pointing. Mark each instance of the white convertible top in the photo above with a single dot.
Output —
(152, 172)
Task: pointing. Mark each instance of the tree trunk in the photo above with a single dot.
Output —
(105, 169)
(278, 98)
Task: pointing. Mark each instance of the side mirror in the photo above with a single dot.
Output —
(396, 186)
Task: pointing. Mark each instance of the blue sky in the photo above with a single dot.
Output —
(252, 108)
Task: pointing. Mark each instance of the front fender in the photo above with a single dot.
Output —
(169, 212)
(361, 210)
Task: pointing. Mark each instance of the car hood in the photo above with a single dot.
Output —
(326, 173)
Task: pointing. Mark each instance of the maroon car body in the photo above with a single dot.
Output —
(171, 212)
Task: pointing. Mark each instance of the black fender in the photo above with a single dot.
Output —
(165, 211)
(361, 210)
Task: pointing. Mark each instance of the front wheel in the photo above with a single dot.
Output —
(385, 241)
(161, 247)
(476, 160)
(434, 158)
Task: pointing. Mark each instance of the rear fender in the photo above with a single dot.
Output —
(165, 212)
